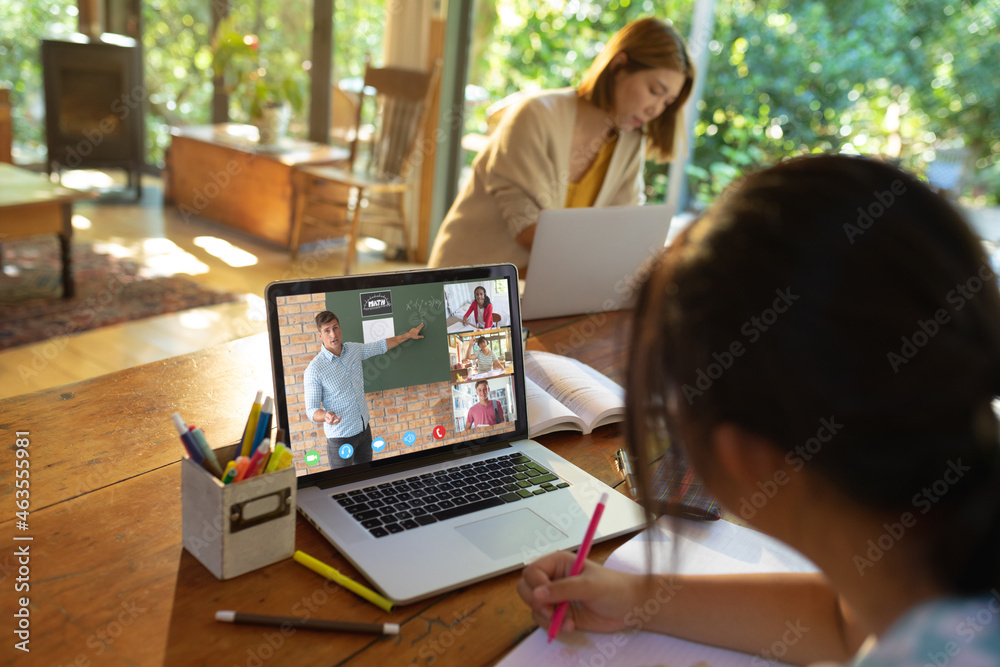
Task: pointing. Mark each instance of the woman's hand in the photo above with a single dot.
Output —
(600, 599)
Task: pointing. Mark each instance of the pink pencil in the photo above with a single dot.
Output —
(263, 449)
(577, 568)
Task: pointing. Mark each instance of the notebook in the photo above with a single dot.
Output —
(677, 546)
(450, 490)
(592, 260)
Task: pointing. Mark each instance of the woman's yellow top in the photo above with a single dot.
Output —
(583, 193)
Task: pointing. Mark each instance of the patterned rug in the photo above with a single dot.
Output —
(109, 290)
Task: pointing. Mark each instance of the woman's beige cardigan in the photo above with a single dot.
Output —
(524, 169)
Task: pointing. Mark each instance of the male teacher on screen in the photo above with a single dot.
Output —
(334, 384)
(485, 412)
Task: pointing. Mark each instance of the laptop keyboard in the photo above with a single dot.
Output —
(405, 504)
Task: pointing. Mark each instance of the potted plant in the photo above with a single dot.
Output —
(267, 88)
(273, 100)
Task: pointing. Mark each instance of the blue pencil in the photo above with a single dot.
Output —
(263, 423)
(187, 439)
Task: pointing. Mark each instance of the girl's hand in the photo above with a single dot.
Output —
(600, 599)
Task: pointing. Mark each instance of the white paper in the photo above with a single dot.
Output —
(707, 547)
(715, 547)
(492, 373)
(375, 330)
(624, 649)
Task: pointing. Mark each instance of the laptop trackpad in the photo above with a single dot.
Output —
(521, 531)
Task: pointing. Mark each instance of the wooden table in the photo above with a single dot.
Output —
(31, 204)
(110, 582)
(221, 173)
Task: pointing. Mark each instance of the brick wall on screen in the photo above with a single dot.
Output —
(393, 412)
(299, 344)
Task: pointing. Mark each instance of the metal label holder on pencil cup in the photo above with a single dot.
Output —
(238, 527)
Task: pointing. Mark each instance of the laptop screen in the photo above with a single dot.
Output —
(354, 393)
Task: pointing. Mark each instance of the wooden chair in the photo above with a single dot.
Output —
(343, 117)
(333, 199)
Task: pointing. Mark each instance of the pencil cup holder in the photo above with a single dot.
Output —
(238, 527)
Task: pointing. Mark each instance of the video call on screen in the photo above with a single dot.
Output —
(453, 385)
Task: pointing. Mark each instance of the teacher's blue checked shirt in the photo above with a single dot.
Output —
(337, 384)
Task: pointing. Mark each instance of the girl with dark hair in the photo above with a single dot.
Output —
(573, 147)
(481, 310)
(855, 323)
(483, 359)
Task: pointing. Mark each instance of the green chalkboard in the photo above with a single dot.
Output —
(414, 361)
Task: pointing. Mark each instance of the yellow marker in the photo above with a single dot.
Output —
(325, 570)
(272, 463)
(284, 460)
(251, 428)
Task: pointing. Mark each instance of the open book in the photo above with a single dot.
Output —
(564, 394)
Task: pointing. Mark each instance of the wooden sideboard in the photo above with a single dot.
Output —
(221, 173)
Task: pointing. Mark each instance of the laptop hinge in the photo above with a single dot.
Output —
(446, 457)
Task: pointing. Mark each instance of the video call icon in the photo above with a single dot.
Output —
(378, 444)
(346, 451)
(312, 457)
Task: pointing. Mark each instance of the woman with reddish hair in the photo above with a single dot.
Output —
(573, 147)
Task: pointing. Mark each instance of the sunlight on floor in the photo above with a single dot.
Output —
(373, 244)
(226, 251)
(114, 249)
(159, 257)
(81, 222)
(86, 179)
(199, 318)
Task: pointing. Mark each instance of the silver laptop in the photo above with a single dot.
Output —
(453, 492)
(592, 260)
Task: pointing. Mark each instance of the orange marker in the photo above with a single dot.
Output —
(242, 465)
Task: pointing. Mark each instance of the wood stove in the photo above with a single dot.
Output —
(94, 104)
